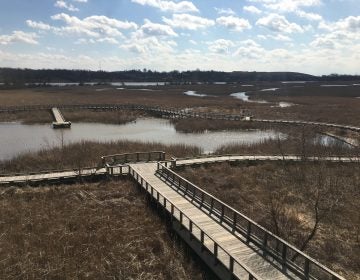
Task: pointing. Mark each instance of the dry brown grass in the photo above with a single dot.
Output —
(113, 117)
(299, 141)
(337, 105)
(289, 190)
(201, 125)
(86, 154)
(27, 117)
(94, 231)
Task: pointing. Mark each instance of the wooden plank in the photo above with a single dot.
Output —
(240, 251)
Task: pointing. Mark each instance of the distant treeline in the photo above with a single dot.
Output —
(12, 76)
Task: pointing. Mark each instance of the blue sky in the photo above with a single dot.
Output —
(311, 36)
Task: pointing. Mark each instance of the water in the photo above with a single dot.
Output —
(16, 138)
(329, 141)
(240, 95)
(269, 89)
(193, 93)
(285, 104)
(244, 97)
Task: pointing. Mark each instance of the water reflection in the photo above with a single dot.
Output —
(16, 138)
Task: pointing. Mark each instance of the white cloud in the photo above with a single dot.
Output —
(155, 29)
(83, 41)
(38, 25)
(351, 24)
(234, 23)
(278, 23)
(280, 37)
(309, 16)
(287, 5)
(250, 50)
(341, 33)
(186, 21)
(323, 42)
(63, 5)
(149, 45)
(19, 36)
(169, 6)
(225, 11)
(221, 46)
(81, 1)
(252, 9)
(94, 26)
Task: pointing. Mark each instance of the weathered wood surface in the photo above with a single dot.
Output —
(116, 170)
(175, 113)
(51, 176)
(248, 260)
(246, 229)
(231, 158)
(60, 121)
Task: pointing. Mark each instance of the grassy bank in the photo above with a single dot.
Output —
(314, 206)
(95, 231)
(86, 154)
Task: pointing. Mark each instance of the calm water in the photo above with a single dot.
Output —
(18, 138)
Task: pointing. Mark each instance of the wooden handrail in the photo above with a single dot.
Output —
(133, 157)
(253, 232)
(191, 225)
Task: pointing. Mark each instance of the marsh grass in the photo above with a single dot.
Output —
(92, 231)
(86, 154)
(336, 105)
(298, 141)
(282, 196)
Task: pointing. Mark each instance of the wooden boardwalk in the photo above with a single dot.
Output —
(243, 248)
(60, 121)
(50, 176)
(232, 158)
(176, 113)
(243, 258)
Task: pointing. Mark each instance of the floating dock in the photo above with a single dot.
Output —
(60, 121)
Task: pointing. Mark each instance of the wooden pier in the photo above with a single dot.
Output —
(60, 121)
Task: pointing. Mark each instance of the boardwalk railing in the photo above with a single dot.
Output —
(286, 256)
(118, 159)
(211, 158)
(208, 243)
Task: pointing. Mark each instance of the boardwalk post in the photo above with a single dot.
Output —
(307, 268)
(234, 222)
(231, 264)
(248, 233)
(215, 253)
(202, 240)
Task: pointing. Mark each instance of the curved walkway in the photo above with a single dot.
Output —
(244, 248)
(173, 113)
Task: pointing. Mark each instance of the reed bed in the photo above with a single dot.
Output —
(92, 231)
(289, 198)
(86, 154)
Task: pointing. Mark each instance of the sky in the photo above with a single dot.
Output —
(310, 36)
